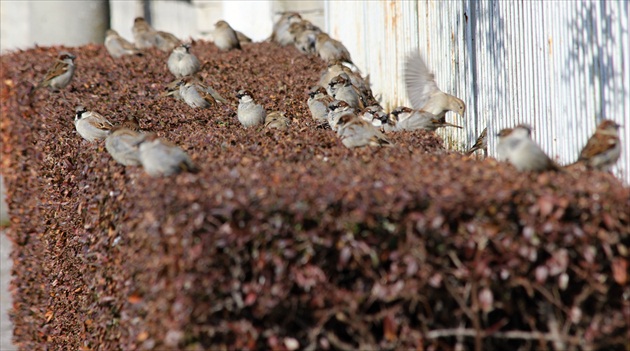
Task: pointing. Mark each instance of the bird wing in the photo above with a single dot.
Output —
(58, 69)
(596, 145)
(419, 81)
(215, 95)
(480, 143)
(100, 122)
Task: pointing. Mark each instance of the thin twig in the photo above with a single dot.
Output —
(336, 342)
(516, 334)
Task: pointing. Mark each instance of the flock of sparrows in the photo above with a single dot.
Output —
(342, 100)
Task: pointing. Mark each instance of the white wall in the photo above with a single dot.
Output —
(25, 23)
(559, 66)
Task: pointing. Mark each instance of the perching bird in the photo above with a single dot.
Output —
(276, 120)
(331, 50)
(166, 41)
(342, 89)
(603, 149)
(60, 74)
(516, 147)
(243, 39)
(123, 143)
(424, 92)
(182, 63)
(91, 125)
(118, 46)
(318, 101)
(406, 118)
(374, 115)
(355, 132)
(225, 37)
(193, 94)
(304, 35)
(362, 84)
(249, 112)
(161, 158)
(173, 89)
(336, 109)
(480, 144)
(281, 34)
(144, 35)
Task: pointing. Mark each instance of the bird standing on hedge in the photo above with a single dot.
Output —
(193, 94)
(60, 74)
(225, 37)
(331, 50)
(249, 112)
(276, 120)
(118, 46)
(304, 35)
(480, 144)
(603, 149)
(424, 92)
(516, 147)
(318, 101)
(406, 118)
(281, 34)
(91, 125)
(374, 115)
(342, 89)
(182, 63)
(146, 36)
(355, 132)
(162, 158)
(123, 143)
(337, 109)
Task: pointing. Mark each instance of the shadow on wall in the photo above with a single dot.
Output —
(591, 36)
(493, 40)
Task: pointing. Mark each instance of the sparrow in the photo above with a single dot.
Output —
(182, 63)
(249, 113)
(603, 148)
(374, 115)
(123, 143)
(118, 46)
(424, 92)
(91, 125)
(409, 119)
(336, 68)
(192, 95)
(144, 35)
(281, 34)
(337, 109)
(341, 88)
(225, 37)
(243, 39)
(355, 132)
(331, 50)
(161, 158)
(480, 144)
(318, 101)
(173, 89)
(516, 147)
(304, 35)
(276, 120)
(166, 41)
(60, 74)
